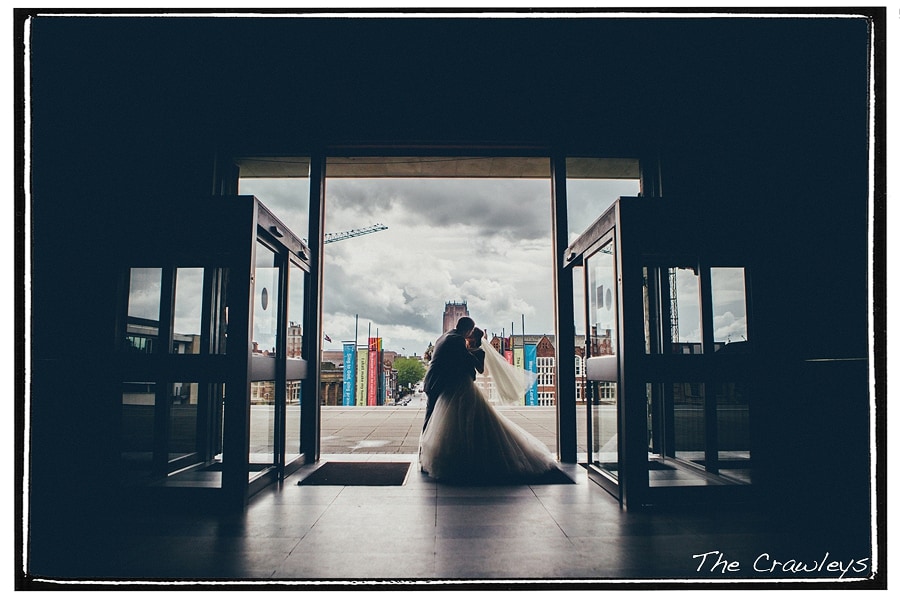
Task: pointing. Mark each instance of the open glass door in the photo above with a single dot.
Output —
(278, 364)
(172, 401)
(211, 354)
(669, 365)
(698, 316)
(601, 365)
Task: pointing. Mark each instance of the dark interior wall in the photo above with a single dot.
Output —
(761, 122)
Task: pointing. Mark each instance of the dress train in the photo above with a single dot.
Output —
(468, 440)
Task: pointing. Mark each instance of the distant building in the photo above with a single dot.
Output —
(546, 366)
(453, 311)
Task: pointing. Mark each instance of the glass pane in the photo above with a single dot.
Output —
(733, 427)
(265, 302)
(600, 268)
(219, 311)
(292, 420)
(217, 421)
(142, 326)
(183, 403)
(262, 423)
(659, 471)
(188, 309)
(593, 184)
(684, 295)
(602, 301)
(604, 427)
(295, 309)
(729, 307)
(265, 339)
(688, 401)
(138, 405)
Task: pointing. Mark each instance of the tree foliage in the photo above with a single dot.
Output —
(409, 371)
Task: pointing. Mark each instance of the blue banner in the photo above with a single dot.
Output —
(349, 374)
(531, 396)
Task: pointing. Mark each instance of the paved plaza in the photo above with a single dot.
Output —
(396, 430)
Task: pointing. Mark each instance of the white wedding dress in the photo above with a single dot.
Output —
(467, 440)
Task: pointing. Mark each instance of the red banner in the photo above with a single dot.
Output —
(374, 368)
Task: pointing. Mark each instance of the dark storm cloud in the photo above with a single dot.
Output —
(515, 209)
(483, 241)
(380, 299)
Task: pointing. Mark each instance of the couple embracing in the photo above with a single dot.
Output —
(465, 439)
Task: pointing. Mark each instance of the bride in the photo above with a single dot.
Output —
(468, 440)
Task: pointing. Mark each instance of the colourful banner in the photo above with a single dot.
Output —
(531, 396)
(519, 362)
(519, 357)
(362, 373)
(372, 394)
(508, 355)
(349, 375)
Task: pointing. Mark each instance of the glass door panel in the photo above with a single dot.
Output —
(733, 430)
(689, 417)
(184, 401)
(142, 322)
(703, 422)
(137, 428)
(263, 366)
(265, 302)
(729, 307)
(295, 360)
(187, 311)
(602, 347)
(684, 296)
(732, 398)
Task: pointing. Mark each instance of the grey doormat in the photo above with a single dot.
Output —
(358, 473)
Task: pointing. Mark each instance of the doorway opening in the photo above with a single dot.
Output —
(408, 239)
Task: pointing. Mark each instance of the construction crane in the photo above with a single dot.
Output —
(355, 232)
(349, 234)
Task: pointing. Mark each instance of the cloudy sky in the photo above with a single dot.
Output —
(483, 241)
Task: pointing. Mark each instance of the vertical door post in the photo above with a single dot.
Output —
(310, 413)
(564, 312)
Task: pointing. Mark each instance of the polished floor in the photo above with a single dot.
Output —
(425, 534)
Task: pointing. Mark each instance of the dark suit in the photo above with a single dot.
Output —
(451, 364)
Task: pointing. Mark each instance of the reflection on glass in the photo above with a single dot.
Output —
(686, 335)
(138, 405)
(265, 302)
(142, 326)
(183, 403)
(729, 306)
(188, 307)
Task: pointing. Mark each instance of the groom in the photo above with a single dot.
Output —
(451, 362)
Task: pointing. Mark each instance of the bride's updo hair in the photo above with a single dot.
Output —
(477, 335)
